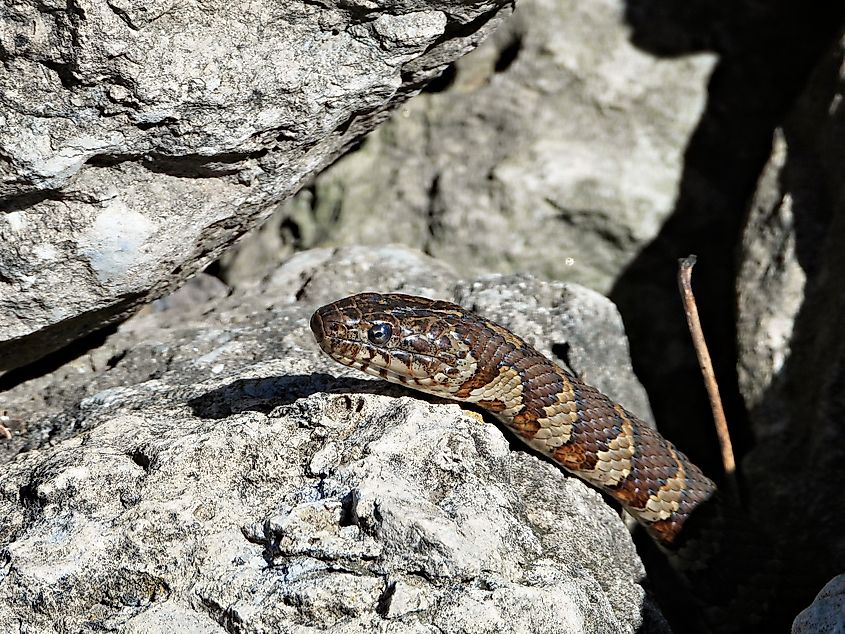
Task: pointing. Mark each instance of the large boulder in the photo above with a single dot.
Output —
(208, 468)
(138, 140)
(556, 147)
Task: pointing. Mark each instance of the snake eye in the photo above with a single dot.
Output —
(380, 333)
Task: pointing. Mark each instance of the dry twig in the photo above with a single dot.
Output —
(704, 362)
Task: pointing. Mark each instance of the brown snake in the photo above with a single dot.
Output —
(443, 349)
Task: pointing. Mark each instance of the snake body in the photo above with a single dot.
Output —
(443, 349)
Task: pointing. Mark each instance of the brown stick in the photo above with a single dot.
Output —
(704, 362)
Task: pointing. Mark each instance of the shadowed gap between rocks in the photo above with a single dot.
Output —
(767, 52)
(806, 458)
(47, 349)
(753, 86)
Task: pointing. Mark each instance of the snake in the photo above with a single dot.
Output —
(443, 349)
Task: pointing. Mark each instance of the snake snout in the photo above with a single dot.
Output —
(330, 327)
(316, 324)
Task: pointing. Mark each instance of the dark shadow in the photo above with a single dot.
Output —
(797, 472)
(64, 340)
(508, 54)
(52, 361)
(265, 394)
(21, 202)
(767, 51)
(443, 81)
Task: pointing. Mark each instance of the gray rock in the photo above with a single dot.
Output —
(791, 351)
(557, 148)
(138, 141)
(206, 331)
(826, 615)
(221, 473)
(771, 287)
(332, 511)
(203, 328)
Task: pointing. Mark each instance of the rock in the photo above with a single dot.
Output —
(199, 338)
(139, 141)
(770, 286)
(183, 337)
(334, 511)
(556, 148)
(791, 352)
(826, 615)
(221, 472)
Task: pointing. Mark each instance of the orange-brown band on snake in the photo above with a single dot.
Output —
(443, 349)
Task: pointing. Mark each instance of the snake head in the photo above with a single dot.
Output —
(400, 338)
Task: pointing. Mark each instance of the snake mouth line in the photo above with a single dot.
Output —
(374, 365)
(423, 383)
(370, 355)
(316, 325)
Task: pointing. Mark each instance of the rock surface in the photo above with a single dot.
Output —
(591, 142)
(208, 468)
(137, 141)
(791, 351)
(826, 615)
(556, 147)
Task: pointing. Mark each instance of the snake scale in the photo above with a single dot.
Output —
(443, 349)
(725, 571)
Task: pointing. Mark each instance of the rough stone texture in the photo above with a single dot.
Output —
(770, 287)
(826, 615)
(557, 148)
(204, 321)
(206, 330)
(138, 140)
(209, 469)
(791, 351)
(333, 512)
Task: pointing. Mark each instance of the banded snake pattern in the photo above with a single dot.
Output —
(443, 349)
